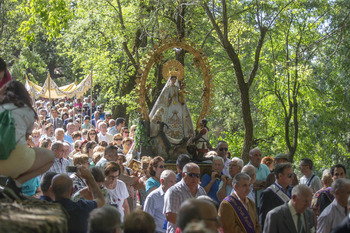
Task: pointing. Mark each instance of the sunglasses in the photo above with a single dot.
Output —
(126, 131)
(225, 149)
(193, 175)
(92, 133)
(118, 139)
(162, 166)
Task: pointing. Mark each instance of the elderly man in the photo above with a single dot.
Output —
(154, 203)
(221, 150)
(294, 216)
(309, 178)
(279, 158)
(237, 212)
(60, 163)
(119, 124)
(338, 209)
(103, 135)
(68, 134)
(262, 171)
(62, 188)
(251, 171)
(193, 210)
(278, 193)
(226, 184)
(187, 188)
(327, 196)
(110, 154)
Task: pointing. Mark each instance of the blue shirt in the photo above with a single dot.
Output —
(79, 213)
(214, 188)
(30, 186)
(68, 138)
(151, 183)
(261, 174)
(154, 205)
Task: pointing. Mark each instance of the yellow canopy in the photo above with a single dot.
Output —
(51, 90)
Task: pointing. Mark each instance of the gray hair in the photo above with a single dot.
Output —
(249, 169)
(238, 161)
(219, 158)
(166, 173)
(242, 176)
(339, 184)
(189, 166)
(59, 130)
(56, 145)
(301, 190)
(104, 219)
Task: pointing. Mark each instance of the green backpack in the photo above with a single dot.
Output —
(7, 134)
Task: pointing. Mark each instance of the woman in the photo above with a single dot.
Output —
(125, 132)
(145, 161)
(23, 163)
(126, 145)
(268, 161)
(36, 137)
(92, 135)
(117, 140)
(132, 131)
(45, 143)
(155, 168)
(79, 182)
(4, 73)
(211, 182)
(326, 188)
(118, 192)
(89, 148)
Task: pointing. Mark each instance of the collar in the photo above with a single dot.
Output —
(281, 188)
(291, 208)
(246, 202)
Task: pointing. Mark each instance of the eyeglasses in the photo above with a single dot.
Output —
(290, 175)
(162, 166)
(134, 130)
(221, 149)
(92, 133)
(118, 139)
(36, 136)
(126, 131)
(193, 175)
(113, 177)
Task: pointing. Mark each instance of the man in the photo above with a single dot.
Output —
(96, 117)
(278, 193)
(110, 154)
(279, 158)
(294, 216)
(226, 185)
(54, 119)
(262, 171)
(68, 134)
(309, 178)
(103, 135)
(337, 210)
(237, 212)
(251, 171)
(105, 219)
(344, 226)
(45, 186)
(221, 150)
(187, 188)
(62, 188)
(49, 133)
(154, 203)
(194, 210)
(60, 163)
(326, 196)
(59, 134)
(108, 118)
(120, 123)
(181, 161)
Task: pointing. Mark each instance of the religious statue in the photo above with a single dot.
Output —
(170, 119)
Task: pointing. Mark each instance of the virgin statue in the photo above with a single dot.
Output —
(171, 117)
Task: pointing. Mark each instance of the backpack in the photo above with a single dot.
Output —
(7, 134)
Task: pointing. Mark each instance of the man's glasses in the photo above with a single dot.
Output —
(221, 149)
(113, 177)
(118, 139)
(193, 175)
(290, 175)
(162, 166)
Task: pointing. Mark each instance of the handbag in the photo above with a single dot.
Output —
(7, 134)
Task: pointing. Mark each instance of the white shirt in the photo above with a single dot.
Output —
(154, 205)
(117, 197)
(330, 217)
(315, 183)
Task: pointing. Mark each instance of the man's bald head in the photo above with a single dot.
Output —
(62, 186)
(189, 166)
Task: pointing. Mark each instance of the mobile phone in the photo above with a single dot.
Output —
(71, 169)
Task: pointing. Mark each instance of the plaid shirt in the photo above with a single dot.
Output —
(175, 196)
(59, 167)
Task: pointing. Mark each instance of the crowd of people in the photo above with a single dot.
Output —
(74, 153)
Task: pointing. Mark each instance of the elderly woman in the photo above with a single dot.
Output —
(155, 168)
(118, 193)
(79, 182)
(226, 185)
(211, 182)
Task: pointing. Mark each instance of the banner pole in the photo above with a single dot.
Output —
(91, 96)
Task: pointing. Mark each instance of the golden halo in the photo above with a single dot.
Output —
(173, 68)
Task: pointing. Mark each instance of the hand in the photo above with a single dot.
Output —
(84, 172)
(213, 175)
(224, 178)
